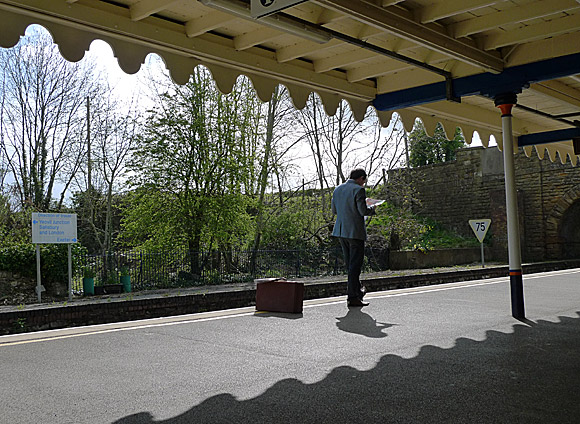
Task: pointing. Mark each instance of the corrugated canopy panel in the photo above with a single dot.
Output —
(353, 50)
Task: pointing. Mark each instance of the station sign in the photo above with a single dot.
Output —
(54, 228)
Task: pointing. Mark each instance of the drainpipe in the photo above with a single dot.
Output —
(506, 102)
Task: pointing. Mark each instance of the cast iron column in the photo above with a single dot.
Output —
(505, 102)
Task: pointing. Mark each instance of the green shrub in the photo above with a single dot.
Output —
(437, 237)
(415, 232)
(21, 259)
(88, 272)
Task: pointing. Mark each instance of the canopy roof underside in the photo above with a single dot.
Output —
(353, 50)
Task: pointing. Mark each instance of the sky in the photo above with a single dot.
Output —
(133, 86)
(128, 86)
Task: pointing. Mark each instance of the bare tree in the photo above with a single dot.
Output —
(331, 140)
(113, 133)
(273, 156)
(3, 158)
(42, 117)
(313, 122)
(381, 148)
(336, 142)
(339, 143)
(342, 136)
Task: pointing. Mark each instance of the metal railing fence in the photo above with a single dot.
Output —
(184, 268)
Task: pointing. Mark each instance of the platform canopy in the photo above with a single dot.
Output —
(416, 57)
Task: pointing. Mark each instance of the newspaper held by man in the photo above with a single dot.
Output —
(374, 202)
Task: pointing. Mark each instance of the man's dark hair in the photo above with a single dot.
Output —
(355, 174)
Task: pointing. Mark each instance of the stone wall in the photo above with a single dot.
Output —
(15, 289)
(472, 187)
(59, 315)
(413, 259)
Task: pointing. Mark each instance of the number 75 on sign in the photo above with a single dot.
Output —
(480, 227)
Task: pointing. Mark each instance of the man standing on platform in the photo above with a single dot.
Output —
(350, 207)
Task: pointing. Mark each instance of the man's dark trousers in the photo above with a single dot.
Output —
(354, 252)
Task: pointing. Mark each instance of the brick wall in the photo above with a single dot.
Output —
(472, 187)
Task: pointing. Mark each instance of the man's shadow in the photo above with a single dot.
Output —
(358, 322)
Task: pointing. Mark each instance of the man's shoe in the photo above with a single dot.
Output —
(356, 302)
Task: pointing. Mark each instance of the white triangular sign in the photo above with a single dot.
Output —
(480, 227)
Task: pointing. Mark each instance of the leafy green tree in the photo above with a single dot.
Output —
(14, 225)
(193, 163)
(426, 150)
(145, 220)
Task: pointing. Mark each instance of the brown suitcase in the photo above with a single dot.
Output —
(279, 295)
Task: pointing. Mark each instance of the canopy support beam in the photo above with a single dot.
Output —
(511, 80)
(548, 137)
(505, 102)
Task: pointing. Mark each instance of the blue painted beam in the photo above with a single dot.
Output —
(511, 80)
(548, 137)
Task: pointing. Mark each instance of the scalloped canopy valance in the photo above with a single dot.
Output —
(353, 50)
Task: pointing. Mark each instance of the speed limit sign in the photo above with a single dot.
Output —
(480, 227)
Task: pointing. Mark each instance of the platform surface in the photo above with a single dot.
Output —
(447, 353)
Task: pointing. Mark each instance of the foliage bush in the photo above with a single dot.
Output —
(21, 259)
(14, 225)
(437, 237)
(88, 272)
(396, 221)
(414, 232)
(300, 224)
